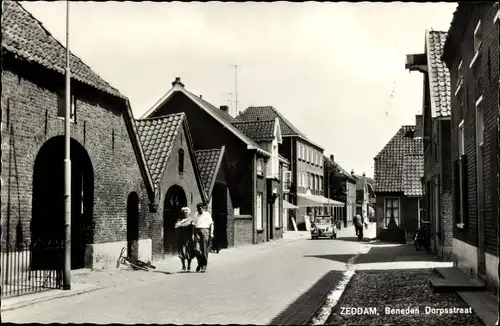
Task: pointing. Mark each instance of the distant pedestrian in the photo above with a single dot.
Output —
(358, 224)
(204, 234)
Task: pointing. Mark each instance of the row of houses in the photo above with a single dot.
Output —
(258, 174)
(445, 168)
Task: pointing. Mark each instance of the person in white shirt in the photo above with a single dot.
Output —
(204, 232)
(185, 238)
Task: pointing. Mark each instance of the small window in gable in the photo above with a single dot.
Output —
(181, 161)
(260, 164)
(61, 105)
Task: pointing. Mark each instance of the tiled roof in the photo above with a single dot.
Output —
(413, 170)
(269, 113)
(258, 129)
(208, 163)
(389, 161)
(24, 36)
(157, 136)
(439, 76)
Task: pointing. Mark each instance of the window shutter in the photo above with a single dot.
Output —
(457, 197)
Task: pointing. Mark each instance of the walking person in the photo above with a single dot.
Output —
(204, 233)
(358, 224)
(185, 232)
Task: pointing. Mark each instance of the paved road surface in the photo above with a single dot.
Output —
(245, 285)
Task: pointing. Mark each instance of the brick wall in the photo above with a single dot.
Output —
(29, 119)
(445, 195)
(172, 177)
(488, 67)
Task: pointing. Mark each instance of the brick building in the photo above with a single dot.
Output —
(211, 128)
(267, 134)
(364, 195)
(398, 189)
(306, 165)
(177, 182)
(471, 53)
(341, 187)
(212, 164)
(436, 116)
(111, 184)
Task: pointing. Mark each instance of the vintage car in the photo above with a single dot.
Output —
(323, 226)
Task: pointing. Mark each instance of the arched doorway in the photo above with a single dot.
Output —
(133, 225)
(175, 199)
(47, 223)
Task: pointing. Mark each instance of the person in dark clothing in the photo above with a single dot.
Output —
(358, 224)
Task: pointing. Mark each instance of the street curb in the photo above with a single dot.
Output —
(55, 295)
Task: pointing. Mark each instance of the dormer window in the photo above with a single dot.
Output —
(478, 37)
(181, 160)
(61, 105)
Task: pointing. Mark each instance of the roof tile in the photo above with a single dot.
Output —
(440, 87)
(269, 113)
(24, 36)
(207, 163)
(157, 136)
(389, 162)
(413, 170)
(257, 130)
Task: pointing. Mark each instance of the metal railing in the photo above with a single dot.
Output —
(28, 268)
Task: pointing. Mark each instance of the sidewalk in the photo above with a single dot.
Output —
(87, 280)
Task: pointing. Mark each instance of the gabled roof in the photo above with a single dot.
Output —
(158, 136)
(25, 36)
(209, 162)
(439, 75)
(269, 113)
(260, 130)
(222, 117)
(390, 162)
(413, 170)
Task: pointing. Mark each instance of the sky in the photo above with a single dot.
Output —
(335, 70)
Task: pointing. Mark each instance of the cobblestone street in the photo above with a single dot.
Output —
(397, 277)
(252, 284)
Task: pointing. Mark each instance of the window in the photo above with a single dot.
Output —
(259, 213)
(478, 37)
(260, 165)
(479, 124)
(460, 77)
(181, 161)
(276, 214)
(461, 139)
(287, 180)
(310, 155)
(391, 212)
(298, 151)
(61, 105)
(321, 183)
(301, 181)
(460, 197)
(303, 152)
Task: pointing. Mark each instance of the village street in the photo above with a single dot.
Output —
(281, 282)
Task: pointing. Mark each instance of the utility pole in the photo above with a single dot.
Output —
(67, 168)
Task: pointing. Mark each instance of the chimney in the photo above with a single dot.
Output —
(352, 172)
(177, 81)
(201, 96)
(364, 174)
(419, 125)
(332, 158)
(224, 108)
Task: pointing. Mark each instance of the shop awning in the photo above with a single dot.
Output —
(288, 205)
(310, 200)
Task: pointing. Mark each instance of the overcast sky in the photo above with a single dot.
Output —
(335, 70)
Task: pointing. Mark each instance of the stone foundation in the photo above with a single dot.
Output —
(105, 255)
